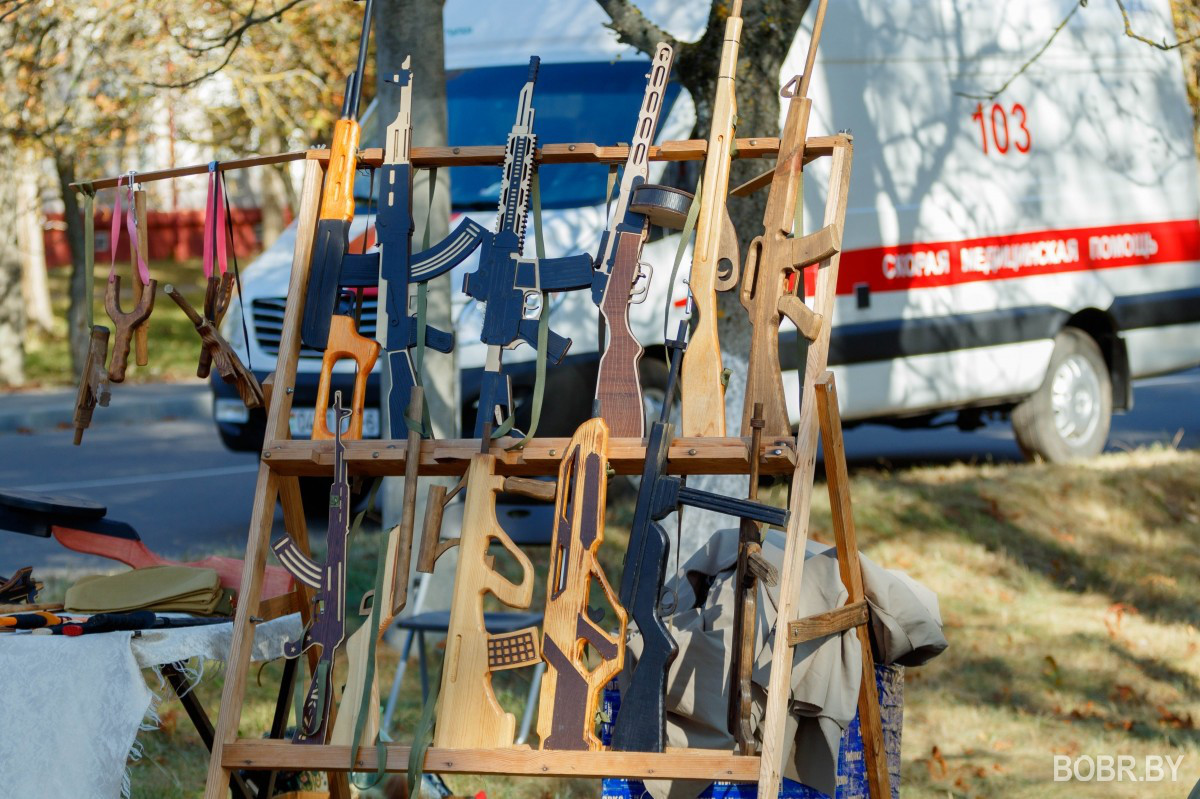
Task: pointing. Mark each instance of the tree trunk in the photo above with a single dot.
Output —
(403, 28)
(77, 315)
(30, 239)
(272, 197)
(12, 310)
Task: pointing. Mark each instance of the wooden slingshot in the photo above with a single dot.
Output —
(216, 303)
(93, 382)
(229, 367)
(126, 324)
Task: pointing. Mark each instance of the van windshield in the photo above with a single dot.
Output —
(584, 102)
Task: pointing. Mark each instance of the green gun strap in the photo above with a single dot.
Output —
(423, 737)
(426, 427)
(685, 235)
(320, 677)
(89, 251)
(608, 190)
(364, 703)
(543, 334)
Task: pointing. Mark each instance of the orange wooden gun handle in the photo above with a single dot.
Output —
(344, 342)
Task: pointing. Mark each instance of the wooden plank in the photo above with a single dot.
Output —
(852, 614)
(540, 457)
(774, 746)
(674, 763)
(490, 155)
(878, 778)
(266, 492)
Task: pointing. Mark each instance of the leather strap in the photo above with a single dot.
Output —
(543, 334)
(685, 236)
(131, 227)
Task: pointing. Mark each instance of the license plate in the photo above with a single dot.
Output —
(300, 423)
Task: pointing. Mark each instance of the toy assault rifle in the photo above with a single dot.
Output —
(701, 379)
(642, 728)
(776, 261)
(337, 207)
(399, 268)
(468, 712)
(570, 690)
(328, 627)
(513, 287)
(620, 277)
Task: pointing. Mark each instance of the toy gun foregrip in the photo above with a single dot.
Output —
(642, 721)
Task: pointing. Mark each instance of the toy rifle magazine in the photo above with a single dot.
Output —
(399, 268)
(772, 281)
(702, 381)
(468, 712)
(514, 287)
(571, 690)
(642, 728)
(619, 269)
(328, 580)
(337, 206)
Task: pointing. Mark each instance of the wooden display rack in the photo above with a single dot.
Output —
(284, 460)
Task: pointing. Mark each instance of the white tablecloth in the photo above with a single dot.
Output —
(70, 708)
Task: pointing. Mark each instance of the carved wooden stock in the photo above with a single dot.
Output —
(125, 323)
(618, 386)
(93, 382)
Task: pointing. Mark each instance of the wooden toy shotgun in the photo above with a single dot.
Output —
(640, 725)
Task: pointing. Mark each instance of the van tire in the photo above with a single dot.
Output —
(1069, 416)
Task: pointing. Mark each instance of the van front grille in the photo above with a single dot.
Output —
(267, 314)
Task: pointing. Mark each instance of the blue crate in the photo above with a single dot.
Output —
(851, 770)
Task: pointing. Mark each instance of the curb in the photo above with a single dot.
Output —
(41, 411)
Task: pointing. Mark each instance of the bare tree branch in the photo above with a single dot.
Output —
(632, 27)
(187, 84)
(1133, 35)
(235, 34)
(994, 94)
(17, 6)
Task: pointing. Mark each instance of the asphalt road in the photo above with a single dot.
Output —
(186, 495)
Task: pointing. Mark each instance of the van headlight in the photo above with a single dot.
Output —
(231, 411)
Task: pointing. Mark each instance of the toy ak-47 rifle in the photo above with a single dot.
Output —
(514, 287)
(337, 207)
(619, 278)
(772, 282)
(467, 708)
(642, 728)
(328, 627)
(702, 381)
(399, 268)
(570, 690)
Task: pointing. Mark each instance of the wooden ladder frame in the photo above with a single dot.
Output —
(283, 460)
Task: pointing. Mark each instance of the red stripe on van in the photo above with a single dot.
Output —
(926, 265)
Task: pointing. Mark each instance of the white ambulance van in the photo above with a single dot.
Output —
(1030, 254)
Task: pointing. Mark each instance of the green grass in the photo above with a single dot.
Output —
(173, 346)
(1069, 595)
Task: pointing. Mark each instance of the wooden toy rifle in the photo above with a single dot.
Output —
(229, 366)
(620, 277)
(570, 690)
(398, 267)
(642, 728)
(467, 707)
(93, 382)
(702, 381)
(773, 281)
(513, 287)
(751, 567)
(337, 207)
(328, 627)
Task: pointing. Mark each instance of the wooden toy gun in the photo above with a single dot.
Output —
(229, 366)
(702, 381)
(467, 707)
(620, 276)
(570, 690)
(328, 580)
(337, 207)
(398, 267)
(513, 287)
(772, 281)
(93, 382)
(642, 728)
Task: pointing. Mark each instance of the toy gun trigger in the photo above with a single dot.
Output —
(641, 283)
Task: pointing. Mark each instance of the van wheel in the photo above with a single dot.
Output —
(1068, 417)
